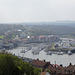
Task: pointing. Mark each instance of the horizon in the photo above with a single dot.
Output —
(60, 21)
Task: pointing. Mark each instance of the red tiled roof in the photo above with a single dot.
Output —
(69, 67)
(55, 65)
(50, 67)
(38, 62)
(61, 70)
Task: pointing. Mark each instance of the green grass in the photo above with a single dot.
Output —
(1, 37)
(53, 47)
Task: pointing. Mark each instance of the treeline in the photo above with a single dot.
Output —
(12, 65)
(54, 29)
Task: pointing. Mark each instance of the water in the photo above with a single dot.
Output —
(60, 59)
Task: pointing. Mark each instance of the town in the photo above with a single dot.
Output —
(54, 43)
(23, 36)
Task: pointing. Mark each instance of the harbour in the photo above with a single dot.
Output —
(64, 59)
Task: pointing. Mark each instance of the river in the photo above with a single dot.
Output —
(60, 59)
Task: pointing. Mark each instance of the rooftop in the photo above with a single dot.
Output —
(38, 62)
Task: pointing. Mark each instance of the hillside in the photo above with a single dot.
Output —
(41, 28)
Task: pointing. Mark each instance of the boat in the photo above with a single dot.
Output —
(35, 52)
(48, 53)
(60, 53)
(69, 53)
(55, 52)
(29, 48)
(23, 51)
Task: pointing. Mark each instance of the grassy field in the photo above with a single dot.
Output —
(1, 37)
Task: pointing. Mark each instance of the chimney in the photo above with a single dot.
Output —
(61, 65)
(49, 63)
(44, 61)
(55, 65)
(37, 59)
(70, 63)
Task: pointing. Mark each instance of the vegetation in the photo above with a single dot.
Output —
(12, 65)
(1, 37)
(53, 47)
(11, 30)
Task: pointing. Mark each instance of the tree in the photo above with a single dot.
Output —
(12, 65)
(37, 71)
(7, 65)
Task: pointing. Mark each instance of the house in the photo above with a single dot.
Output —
(70, 69)
(60, 70)
(40, 64)
(56, 69)
(51, 68)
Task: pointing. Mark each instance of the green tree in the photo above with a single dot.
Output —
(37, 71)
(12, 65)
(7, 65)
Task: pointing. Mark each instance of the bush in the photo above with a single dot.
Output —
(12, 65)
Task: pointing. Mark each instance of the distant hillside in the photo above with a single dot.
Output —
(56, 29)
(42, 28)
(64, 23)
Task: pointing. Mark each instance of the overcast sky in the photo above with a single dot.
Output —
(36, 10)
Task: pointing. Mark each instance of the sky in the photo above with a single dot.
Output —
(12, 11)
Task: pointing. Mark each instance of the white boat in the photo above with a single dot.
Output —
(60, 53)
(69, 53)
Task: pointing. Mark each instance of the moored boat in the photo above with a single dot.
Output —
(23, 51)
(60, 53)
(69, 53)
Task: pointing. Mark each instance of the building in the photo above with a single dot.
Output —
(40, 64)
(70, 69)
(60, 70)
